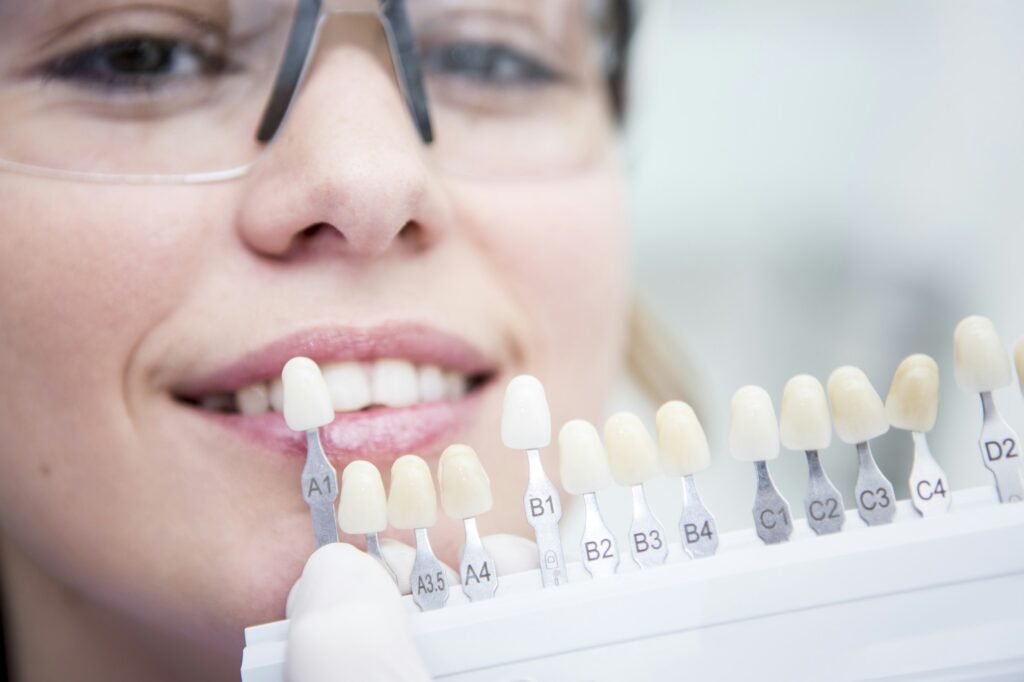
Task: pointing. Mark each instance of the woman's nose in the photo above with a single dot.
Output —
(347, 175)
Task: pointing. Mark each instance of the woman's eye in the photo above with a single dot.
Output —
(488, 64)
(140, 62)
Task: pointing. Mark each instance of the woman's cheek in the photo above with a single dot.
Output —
(85, 278)
(560, 244)
(93, 271)
(560, 248)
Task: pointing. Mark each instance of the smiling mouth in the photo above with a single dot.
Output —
(355, 386)
(395, 388)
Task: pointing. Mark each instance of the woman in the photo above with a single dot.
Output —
(182, 216)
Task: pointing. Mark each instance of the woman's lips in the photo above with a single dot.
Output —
(379, 434)
(418, 343)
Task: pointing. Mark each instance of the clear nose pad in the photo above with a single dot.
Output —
(309, 28)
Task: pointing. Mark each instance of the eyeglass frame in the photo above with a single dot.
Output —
(299, 48)
(297, 56)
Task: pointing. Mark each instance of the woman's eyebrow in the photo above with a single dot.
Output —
(63, 12)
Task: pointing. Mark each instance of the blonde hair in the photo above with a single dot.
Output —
(657, 362)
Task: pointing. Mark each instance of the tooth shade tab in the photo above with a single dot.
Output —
(632, 457)
(913, 400)
(681, 440)
(307, 402)
(979, 359)
(363, 506)
(582, 459)
(857, 409)
(412, 502)
(804, 420)
(525, 418)
(753, 427)
(465, 487)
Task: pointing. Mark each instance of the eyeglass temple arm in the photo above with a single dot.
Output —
(297, 52)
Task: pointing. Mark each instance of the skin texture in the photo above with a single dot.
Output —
(136, 530)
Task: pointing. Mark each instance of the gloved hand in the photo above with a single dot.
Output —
(347, 621)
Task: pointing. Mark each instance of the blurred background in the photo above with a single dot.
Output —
(824, 183)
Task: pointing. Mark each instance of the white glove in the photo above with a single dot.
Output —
(347, 621)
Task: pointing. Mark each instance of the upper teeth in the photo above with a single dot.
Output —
(354, 385)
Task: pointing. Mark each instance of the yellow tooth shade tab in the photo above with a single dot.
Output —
(362, 507)
(980, 361)
(632, 457)
(804, 420)
(465, 487)
(681, 440)
(857, 409)
(583, 463)
(913, 400)
(753, 427)
(412, 502)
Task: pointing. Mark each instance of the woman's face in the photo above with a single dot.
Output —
(130, 315)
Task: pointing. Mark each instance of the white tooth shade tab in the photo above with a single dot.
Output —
(362, 507)
(525, 418)
(681, 440)
(632, 457)
(412, 502)
(393, 383)
(307, 403)
(582, 461)
(857, 409)
(348, 385)
(913, 400)
(804, 421)
(980, 361)
(753, 428)
(465, 488)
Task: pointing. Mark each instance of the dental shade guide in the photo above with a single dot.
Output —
(465, 495)
(932, 590)
(412, 505)
(526, 425)
(920, 598)
(363, 509)
(685, 452)
(913, 405)
(754, 437)
(859, 416)
(805, 425)
(583, 464)
(307, 407)
(982, 366)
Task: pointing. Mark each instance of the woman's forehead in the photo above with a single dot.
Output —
(554, 14)
(48, 7)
